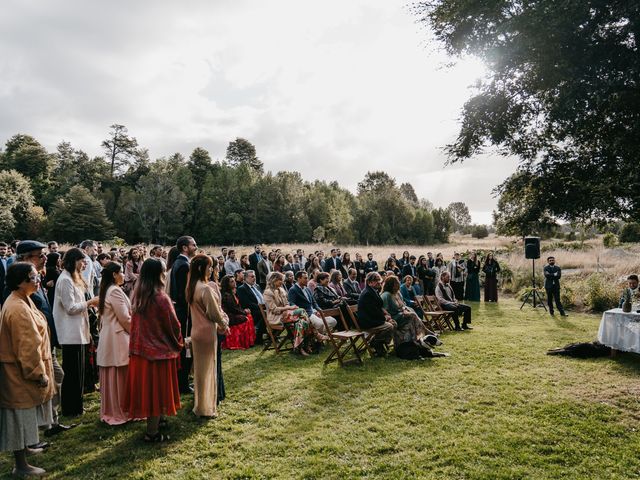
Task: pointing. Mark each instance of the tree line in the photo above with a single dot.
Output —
(70, 196)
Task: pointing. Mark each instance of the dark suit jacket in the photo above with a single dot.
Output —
(297, 297)
(353, 289)
(330, 265)
(248, 300)
(408, 269)
(370, 313)
(179, 273)
(370, 266)
(3, 275)
(325, 297)
(41, 302)
(253, 262)
(550, 280)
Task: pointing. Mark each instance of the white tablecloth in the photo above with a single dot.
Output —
(620, 331)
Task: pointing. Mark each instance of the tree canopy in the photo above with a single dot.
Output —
(562, 94)
(70, 196)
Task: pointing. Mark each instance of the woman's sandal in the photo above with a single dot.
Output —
(157, 438)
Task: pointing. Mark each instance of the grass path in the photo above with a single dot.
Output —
(498, 408)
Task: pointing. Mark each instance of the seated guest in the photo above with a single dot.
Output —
(336, 284)
(302, 297)
(289, 279)
(238, 276)
(372, 317)
(409, 328)
(242, 333)
(409, 295)
(279, 264)
(250, 296)
(279, 313)
(313, 283)
(633, 285)
(447, 300)
(326, 296)
(351, 285)
(333, 262)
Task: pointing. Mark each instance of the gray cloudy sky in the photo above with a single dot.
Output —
(331, 89)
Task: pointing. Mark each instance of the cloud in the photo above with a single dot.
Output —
(332, 91)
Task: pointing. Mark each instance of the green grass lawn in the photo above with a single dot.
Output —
(497, 408)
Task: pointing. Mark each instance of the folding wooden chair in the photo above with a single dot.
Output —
(342, 342)
(280, 336)
(435, 316)
(368, 338)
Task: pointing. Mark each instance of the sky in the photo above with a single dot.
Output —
(332, 89)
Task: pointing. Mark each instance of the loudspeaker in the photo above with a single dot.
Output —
(532, 247)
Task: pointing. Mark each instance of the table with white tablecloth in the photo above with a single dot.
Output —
(620, 331)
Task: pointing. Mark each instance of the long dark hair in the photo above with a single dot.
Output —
(225, 284)
(149, 282)
(172, 256)
(134, 263)
(69, 264)
(197, 273)
(109, 272)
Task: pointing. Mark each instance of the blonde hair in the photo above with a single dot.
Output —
(272, 278)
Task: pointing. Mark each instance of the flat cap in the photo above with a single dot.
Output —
(26, 246)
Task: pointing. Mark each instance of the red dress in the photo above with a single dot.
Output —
(242, 334)
(154, 353)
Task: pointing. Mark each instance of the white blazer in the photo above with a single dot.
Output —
(70, 312)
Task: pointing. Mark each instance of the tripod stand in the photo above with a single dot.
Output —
(534, 294)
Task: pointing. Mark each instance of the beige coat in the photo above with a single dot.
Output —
(25, 354)
(115, 321)
(206, 314)
(276, 303)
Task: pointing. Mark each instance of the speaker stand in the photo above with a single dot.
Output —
(534, 294)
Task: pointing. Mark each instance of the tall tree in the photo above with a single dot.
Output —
(119, 148)
(16, 199)
(242, 151)
(460, 216)
(78, 216)
(159, 204)
(562, 94)
(27, 156)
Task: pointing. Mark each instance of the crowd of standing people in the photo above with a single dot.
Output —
(150, 325)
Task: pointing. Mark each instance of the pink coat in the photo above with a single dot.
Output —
(113, 347)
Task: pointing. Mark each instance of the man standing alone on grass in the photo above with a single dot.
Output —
(552, 274)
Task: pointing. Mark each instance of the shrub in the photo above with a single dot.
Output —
(479, 231)
(600, 295)
(571, 246)
(570, 236)
(610, 240)
(630, 232)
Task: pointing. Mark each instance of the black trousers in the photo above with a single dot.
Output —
(185, 363)
(73, 363)
(465, 310)
(458, 290)
(553, 293)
